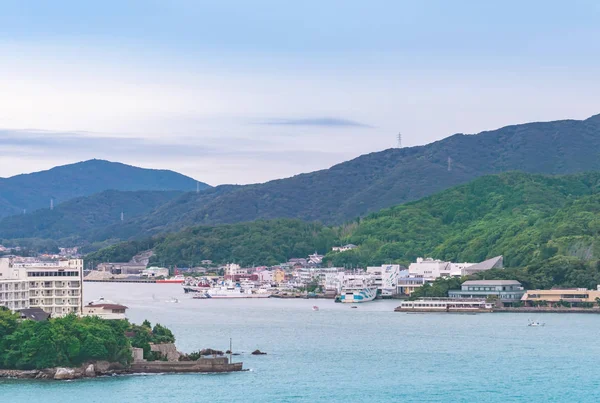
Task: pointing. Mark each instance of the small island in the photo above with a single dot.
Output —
(73, 347)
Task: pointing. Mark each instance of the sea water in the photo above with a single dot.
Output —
(368, 354)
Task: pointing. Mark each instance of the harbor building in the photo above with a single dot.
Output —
(385, 278)
(574, 296)
(505, 291)
(407, 285)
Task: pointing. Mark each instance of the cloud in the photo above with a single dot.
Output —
(323, 122)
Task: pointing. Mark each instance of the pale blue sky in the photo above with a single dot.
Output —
(247, 91)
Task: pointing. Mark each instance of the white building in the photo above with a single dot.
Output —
(155, 272)
(433, 268)
(309, 274)
(55, 287)
(385, 277)
(14, 287)
(344, 248)
(233, 269)
(265, 276)
(105, 309)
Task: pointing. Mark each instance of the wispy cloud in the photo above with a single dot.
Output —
(322, 121)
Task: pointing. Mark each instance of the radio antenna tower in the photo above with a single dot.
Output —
(197, 187)
(399, 140)
(51, 204)
(122, 216)
(449, 164)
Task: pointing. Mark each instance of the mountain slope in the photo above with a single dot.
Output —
(75, 218)
(547, 229)
(33, 191)
(379, 180)
(383, 179)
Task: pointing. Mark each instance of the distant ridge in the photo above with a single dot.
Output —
(377, 180)
(33, 191)
(387, 178)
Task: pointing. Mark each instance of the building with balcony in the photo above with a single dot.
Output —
(55, 287)
(504, 291)
(14, 287)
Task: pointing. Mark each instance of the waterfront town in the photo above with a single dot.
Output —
(44, 286)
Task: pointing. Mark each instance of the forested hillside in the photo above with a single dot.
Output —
(256, 243)
(72, 221)
(547, 229)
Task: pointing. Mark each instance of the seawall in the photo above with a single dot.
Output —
(220, 364)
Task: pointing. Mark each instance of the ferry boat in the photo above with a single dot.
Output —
(357, 290)
(231, 290)
(445, 305)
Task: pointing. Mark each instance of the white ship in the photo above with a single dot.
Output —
(357, 289)
(231, 290)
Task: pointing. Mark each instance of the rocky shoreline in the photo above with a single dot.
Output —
(89, 370)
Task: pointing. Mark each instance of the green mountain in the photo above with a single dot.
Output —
(383, 179)
(374, 181)
(547, 228)
(73, 220)
(33, 191)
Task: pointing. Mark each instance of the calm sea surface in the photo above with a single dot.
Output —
(368, 354)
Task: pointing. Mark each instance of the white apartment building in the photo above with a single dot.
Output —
(308, 274)
(14, 287)
(385, 277)
(233, 269)
(55, 287)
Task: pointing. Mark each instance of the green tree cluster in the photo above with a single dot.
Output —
(68, 341)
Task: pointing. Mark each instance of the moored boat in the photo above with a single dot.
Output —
(357, 290)
(172, 280)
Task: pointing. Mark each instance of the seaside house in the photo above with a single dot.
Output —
(105, 309)
(575, 297)
(506, 292)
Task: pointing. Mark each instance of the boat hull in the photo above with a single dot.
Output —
(239, 296)
(364, 295)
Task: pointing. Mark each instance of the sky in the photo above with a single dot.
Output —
(241, 91)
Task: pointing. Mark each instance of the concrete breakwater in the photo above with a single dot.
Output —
(219, 364)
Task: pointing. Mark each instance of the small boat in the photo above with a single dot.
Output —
(354, 306)
(173, 300)
(535, 323)
(315, 308)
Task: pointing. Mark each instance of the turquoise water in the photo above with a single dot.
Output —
(340, 354)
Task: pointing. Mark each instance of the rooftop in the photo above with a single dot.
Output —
(491, 282)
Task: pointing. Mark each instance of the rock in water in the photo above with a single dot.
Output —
(64, 373)
(90, 371)
(258, 352)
